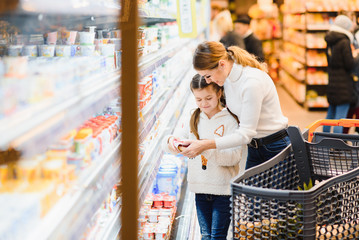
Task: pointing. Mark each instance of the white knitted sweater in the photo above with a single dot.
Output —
(222, 165)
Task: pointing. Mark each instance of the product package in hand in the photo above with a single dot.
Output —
(180, 145)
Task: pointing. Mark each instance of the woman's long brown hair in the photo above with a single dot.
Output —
(208, 54)
(198, 82)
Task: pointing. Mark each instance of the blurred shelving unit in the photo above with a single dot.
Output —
(303, 60)
(266, 26)
(74, 209)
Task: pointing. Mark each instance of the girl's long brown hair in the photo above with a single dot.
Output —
(198, 82)
(208, 54)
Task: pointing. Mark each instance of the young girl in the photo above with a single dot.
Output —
(209, 174)
(250, 94)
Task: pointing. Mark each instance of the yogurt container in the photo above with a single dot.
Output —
(51, 169)
(68, 37)
(27, 170)
(15, 50)
(51, 38)
(86, 38)
(87, 50)
(3, 173)
(30, 50)
(63, 50)
(47, 50)
(107, 50)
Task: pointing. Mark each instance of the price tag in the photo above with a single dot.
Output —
(186, 18)
(141, 117)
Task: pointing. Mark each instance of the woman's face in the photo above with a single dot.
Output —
(217, 75)
(207, 99)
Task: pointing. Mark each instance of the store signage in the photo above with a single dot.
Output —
(186, 18)
(205, 12)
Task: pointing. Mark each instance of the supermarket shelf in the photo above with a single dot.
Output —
(292, 74)
(270, 39)
(313, 27)
(68, 218)
(113, 226)
(34, 128)
(151, 117)
(149, 165)
(294, 88)
(298, 58)
(322, 11)
(302, 44)
(316, 47)
(151, 61)
(296, 27)
(289, 91)
(315, 105)
(96, 7)
(301, 11)
(317, 65)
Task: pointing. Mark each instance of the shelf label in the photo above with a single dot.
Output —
(186, 18)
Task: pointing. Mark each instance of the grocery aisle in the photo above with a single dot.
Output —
(296, 114)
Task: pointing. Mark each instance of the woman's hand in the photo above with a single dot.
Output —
(196, 147)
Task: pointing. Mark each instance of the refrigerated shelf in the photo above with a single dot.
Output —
(34, 128)
(99, 7)
(149, 165)
(150, 62)
(91, 185)
(111, 227)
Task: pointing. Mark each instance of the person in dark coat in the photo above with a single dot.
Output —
(224, 26)
(252, 44)
(340, 64)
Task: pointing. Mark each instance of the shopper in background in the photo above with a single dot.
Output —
(340, 65)
(209, 174)
(354, 107)
(252, 44)
(224, 26)
(250, 94)
(213, 32)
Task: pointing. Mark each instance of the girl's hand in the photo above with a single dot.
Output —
(171, 145)
(195, 148)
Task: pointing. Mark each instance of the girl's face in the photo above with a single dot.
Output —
(207, 99)
(217, 75)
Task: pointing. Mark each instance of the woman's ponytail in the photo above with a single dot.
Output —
(244, 58)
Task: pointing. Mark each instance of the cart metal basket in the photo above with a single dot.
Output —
(267, 202)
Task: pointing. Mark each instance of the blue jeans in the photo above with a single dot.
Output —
(260, 155)
(214, 217)
(336, 112)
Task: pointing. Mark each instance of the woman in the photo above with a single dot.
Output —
(340, 65)
(250, 94)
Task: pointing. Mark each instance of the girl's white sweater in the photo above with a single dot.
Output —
(222, 165)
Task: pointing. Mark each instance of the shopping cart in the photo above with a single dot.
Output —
(271, 201)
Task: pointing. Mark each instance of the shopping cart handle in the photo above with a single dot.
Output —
(300, 154)
(329, 122)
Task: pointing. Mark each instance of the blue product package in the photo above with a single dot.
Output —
(165, 182)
